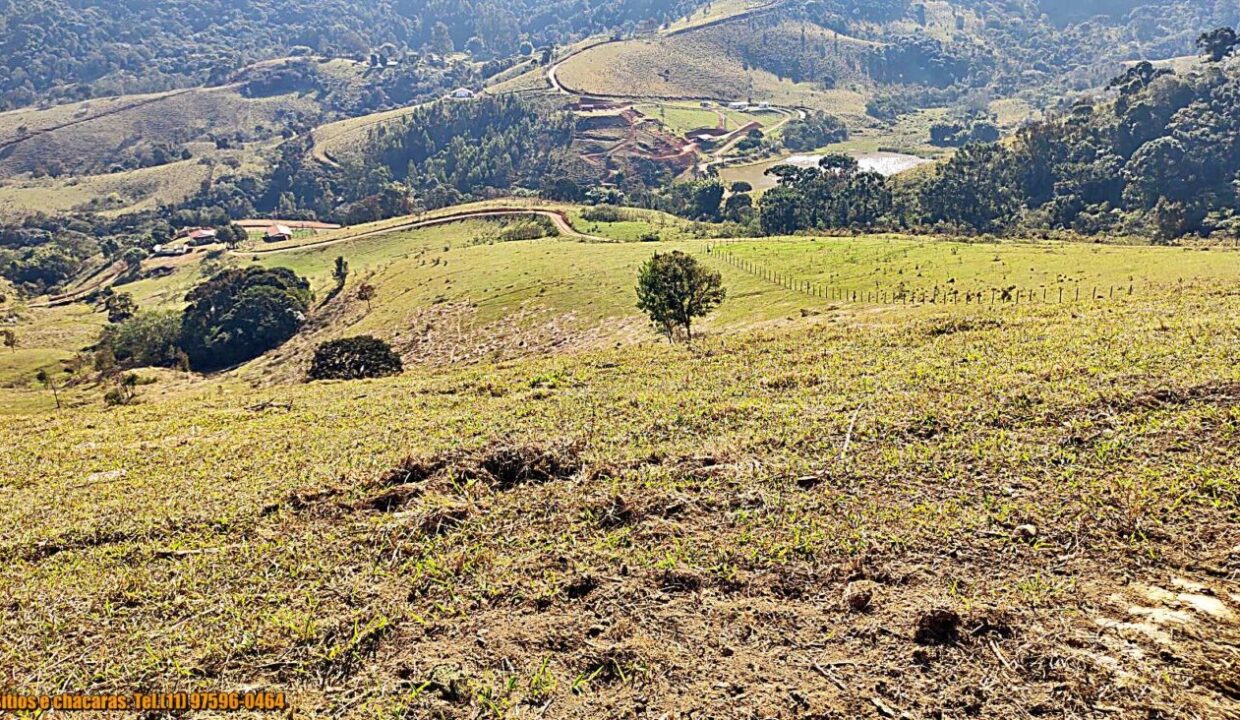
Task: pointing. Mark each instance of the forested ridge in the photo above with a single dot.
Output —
(61, 50)
(441, 154)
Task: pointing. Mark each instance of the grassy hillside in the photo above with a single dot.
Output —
(723, 62)
(88, 137)
(776, 523)
(460, 293)
(108, 193)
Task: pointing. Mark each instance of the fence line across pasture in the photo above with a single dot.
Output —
(939, 295)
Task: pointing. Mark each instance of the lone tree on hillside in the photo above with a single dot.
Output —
(1218, 44)
(673, 288)
(120, 307)
(353, 359)
(366, 292)
(341, 271)
(47, 381)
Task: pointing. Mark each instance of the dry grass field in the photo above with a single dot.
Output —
(107, 194)
(90, 134)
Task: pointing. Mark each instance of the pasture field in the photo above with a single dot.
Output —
(1042, 495)
(461, 293)
(680, 118)
(459, 284)
(888, 263)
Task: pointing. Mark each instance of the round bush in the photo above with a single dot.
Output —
(353, 359)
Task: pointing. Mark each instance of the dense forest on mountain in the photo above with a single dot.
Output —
(61, 50)
(1006, 43)
(1077, 45)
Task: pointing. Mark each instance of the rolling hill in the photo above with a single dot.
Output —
(554, 514)
(725, 61)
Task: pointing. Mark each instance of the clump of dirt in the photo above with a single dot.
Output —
(413, 469)
(74, 541)
(393, 499)
(503, 463)
(938, 627)
(992, 624)
(859, 595)
(679, 581)
(951, 326)
(617, 512)
(1225, 394)
(581, 587)
(443, 520)
(1222, 394)
(611, 665)
(508, 465)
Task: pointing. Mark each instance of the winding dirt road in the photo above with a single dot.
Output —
(558, 218)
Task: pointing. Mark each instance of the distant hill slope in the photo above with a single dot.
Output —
(140, 131)
(1003, 45)
(745, 58)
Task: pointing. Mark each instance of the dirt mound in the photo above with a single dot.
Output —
(508, 465)
(501, 465)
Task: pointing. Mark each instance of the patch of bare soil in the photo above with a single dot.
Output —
(1222, 394)
(501, 465)
(449, 334)
(877, 635)
(642, 645)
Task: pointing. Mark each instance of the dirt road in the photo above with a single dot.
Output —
(558, 218)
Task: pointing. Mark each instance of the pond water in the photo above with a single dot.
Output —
(883, 163)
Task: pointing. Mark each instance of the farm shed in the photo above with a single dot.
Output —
(202, 236)
(278, 233)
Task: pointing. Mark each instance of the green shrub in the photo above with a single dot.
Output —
(353, 359)
(602, 213)
(148, 339)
